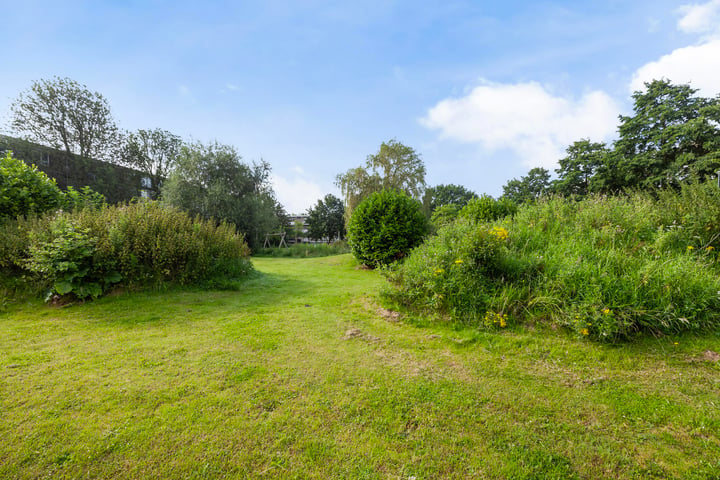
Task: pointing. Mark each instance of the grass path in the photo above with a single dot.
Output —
(302, 375)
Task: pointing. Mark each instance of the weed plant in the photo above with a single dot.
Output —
(606, 267)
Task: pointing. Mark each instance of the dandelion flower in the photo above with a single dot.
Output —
(606, 311)
(585, 332)
(458, 261)
(690, 248)
(709, 248)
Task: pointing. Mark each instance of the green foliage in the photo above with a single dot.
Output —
(578, 167)
(456, 272)
(84, 252)
(211, 181)
(86, 197)
(25, 190)
(487, 209)
(385, 227)
(394, 167)
(63, 258)
(326, 219)
(606, 267)
(529, 188)
(444, 215)
(450, 194)
(153, 152)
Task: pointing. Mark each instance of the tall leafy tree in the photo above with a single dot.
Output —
(671, 134)
(579, 166)
(154, 152)
(65, 115)
(528, 188)
(326, 220)
(393, 167)
(449, 194)
(212, 181)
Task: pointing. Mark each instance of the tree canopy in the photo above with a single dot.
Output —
(393, 167)
(63, 114)
(530, 187)
(326, 219)
(153, 152)
(211, 181)
(449, 194)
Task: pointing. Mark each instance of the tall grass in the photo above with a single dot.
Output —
(606, 267)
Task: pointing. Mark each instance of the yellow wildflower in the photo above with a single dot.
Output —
(690, 248)
(503, 321)
(709, 248)
(606, 311)
(585, 331)
(499, 232)
(458, 261)
(439, 271)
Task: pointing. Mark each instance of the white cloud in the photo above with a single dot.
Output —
(700, 17)
(296, 194)
(699, 64)
(524, 118)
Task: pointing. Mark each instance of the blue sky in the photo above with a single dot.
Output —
(482, 90)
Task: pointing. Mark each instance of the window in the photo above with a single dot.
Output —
(44, 159)
(145, 194)
(145, 182)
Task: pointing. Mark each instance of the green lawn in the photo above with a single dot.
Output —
(302, 375)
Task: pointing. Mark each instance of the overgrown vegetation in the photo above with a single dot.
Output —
(608, 267)
(82, 254)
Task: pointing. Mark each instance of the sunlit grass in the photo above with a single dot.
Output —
(301, 374)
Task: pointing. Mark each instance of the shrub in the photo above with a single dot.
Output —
(63, 258)
(487, 209)
(385, 227)
(25, 190)
(85, 252)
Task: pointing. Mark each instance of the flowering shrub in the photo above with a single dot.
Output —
(459, 272)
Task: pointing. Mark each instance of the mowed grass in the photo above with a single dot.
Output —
(302, 375)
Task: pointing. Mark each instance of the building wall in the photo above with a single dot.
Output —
(117, 183)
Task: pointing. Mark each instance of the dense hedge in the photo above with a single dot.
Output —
(384, 227)
(606, 267)
(84, 253)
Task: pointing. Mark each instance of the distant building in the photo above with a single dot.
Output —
(116, 182)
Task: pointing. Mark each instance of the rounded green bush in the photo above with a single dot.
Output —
(385, 227)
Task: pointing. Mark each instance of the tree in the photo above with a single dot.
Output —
(326, 220)
(65, 115)
(153, 152)
(579, 166)
(385, 227)
(394, 167)
(211, 181)
(530, 187)
(671, 134)
(449, 194)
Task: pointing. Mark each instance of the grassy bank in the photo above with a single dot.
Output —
(302, 375)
